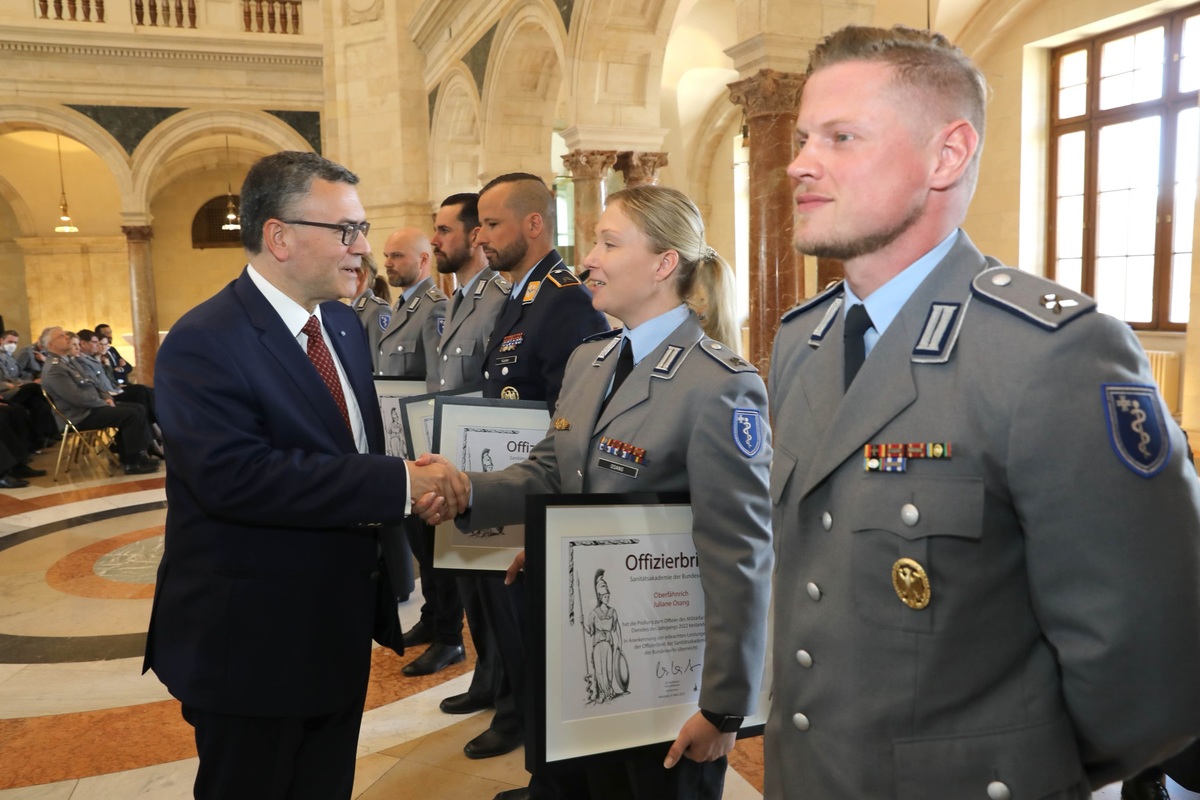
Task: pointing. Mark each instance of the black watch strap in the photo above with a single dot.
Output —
(725, 723)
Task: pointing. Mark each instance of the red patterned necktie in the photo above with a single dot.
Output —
(322, 359)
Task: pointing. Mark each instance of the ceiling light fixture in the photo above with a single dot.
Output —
(232, 222)
(64, 216)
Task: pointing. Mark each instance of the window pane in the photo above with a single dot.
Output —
(1069, 221)
(1069, 272)
(1181, 287)
(1072, 102)
(1072, 84)
(1189, 57)
(1072, 69)
(1129, 155)
(1131, 69)
(1124, 287)
(1071, 163)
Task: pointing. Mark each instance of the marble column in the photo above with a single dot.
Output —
(142, 300)
(589, 172)
(640, 169)
(771, 100)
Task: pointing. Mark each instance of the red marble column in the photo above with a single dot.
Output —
(771, 100)
(589, 172)
(640, 169)
(142, 300)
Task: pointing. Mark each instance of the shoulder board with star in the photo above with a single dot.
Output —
(562, 277)
(1034, 299)
(796, 310)
(435, 294)
(596, 337)
(725, 356)
(377, 299)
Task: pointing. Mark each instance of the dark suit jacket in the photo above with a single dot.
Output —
(266, 593)
(536, 332)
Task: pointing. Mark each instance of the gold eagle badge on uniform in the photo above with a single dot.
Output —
(911, 583)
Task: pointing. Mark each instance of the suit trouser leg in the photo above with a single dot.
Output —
(506, 632)
(442, 611)
(485, 681)
(31, 398)
(133, 434)
(276, 758)
(143, 396)
(19, 421)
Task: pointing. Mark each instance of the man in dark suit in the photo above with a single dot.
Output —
(279, 499)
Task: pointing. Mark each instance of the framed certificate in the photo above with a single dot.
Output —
(390, 392)
(616, 621)
(479, 435)
(416, 415)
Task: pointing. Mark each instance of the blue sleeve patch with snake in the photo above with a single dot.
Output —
(1136, 427)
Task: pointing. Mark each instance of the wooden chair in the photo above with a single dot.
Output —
(76, 443)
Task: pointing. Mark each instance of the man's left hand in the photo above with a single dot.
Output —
(699, 740)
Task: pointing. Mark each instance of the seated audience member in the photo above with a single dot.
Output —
(25, 393)
(89, 408)
(30, 359)
(122, 368)
(89, 362)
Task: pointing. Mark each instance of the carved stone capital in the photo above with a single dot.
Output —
(590, 163)
(769, 93)
(137, 233)
(640, 168)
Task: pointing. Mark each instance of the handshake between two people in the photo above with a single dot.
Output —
(440, 491)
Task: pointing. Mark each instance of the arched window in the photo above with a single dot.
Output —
(207, 230)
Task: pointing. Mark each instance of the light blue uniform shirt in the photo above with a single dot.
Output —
(885, 302)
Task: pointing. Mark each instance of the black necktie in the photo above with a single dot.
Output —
(458, 296)
(857, 323)
(624, 367)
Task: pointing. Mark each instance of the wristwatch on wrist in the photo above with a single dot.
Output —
(725, 723)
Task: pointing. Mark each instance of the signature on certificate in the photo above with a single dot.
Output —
(663, 670)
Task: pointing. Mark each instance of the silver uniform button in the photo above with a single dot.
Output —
(458, 351)
(827, 521)
(400, 349)
(486, 376)
(814, 591)
(997, 790)
(443, 382)
(801, 722)
(1003, 279)
(504, 370)
(804, 658)
(445, 358)
(909, 515)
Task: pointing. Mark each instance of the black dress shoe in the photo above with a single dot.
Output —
(9, 482)
(1147, 785)
(435, 659)
(490, 744)
(26, 471)
(418, 634)
(143, 466)
(514, 794)
(463, 704)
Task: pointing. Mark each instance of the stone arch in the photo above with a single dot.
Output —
(154, 151)
(20, 209)
(520, 90)
(616, 69)
(455, 141)
(712, 131)
(69, 122)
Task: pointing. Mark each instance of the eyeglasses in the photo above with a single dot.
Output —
(350, 230)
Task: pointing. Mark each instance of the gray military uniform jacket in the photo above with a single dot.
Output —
(681, 405)
(464, 341)
(91, 367)
(409, 345)
(375, 314)
(10, 371)
(1018, 620)
(27, 359)
(73, 391)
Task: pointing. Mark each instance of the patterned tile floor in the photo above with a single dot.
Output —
(78, 720)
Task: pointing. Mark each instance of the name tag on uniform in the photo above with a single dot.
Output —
(627, 470)
(506, 360)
